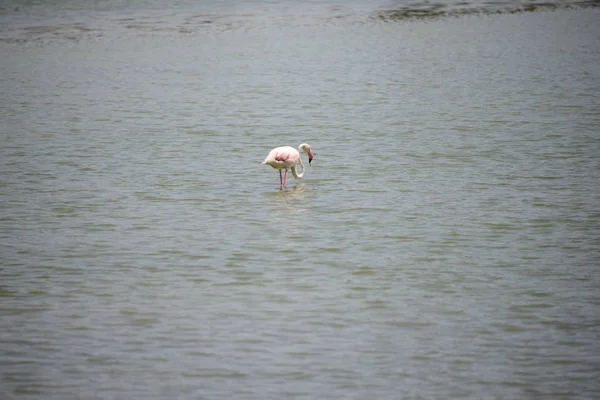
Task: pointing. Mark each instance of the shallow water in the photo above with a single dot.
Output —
(444, 243)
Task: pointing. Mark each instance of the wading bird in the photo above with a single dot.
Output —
(287, 157)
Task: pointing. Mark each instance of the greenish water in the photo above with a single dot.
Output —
(444, 243)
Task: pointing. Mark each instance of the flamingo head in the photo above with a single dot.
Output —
(305, 147)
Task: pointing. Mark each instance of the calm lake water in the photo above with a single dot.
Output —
(445, 243)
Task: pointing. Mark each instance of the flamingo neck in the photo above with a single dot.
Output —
(295, 172)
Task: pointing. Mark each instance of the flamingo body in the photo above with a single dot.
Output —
(287, 157)
(284, 157)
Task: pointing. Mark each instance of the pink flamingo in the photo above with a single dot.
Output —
(287, 157)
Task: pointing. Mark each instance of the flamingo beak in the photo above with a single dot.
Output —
(310, 156)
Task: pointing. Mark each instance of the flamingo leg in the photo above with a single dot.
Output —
(280, 179)
(285, 177)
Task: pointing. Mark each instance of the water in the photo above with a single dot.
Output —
(444, 244)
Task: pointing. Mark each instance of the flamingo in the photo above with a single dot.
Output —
(288, 157)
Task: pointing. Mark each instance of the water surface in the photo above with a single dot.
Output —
(444, 243)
